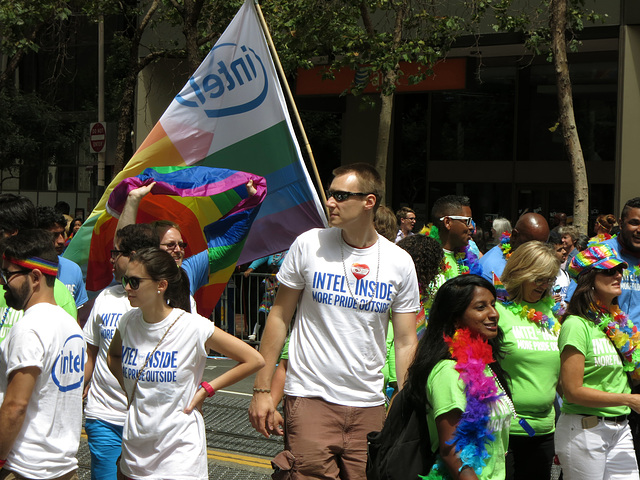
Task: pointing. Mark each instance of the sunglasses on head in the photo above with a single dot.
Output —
(133, 282)
(341, 196)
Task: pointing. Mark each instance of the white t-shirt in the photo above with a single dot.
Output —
(337, 347)
(106, 400)
(160, 441)
(562, 281)
(50, 339)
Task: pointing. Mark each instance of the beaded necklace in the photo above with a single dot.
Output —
(4, 317)
(505, 244)
(622, 332)
(344, 268)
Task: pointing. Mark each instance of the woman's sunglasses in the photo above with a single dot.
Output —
(612, 271)
(133, 282)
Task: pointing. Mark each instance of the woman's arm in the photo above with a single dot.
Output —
(446, 425)
(572, 375)
(249, 361)
(114, 358)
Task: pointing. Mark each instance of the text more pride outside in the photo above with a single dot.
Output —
(331, 289)
(161, 367)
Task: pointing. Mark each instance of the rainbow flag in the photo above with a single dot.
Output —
(230, 114)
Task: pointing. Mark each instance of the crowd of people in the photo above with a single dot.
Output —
(522, 351)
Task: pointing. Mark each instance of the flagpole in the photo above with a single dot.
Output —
(285, 84)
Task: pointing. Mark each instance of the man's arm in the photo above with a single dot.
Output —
(14, 406)
(114, 359)
(130, 209)
(92, 354)
(262, 409)
(406, 340)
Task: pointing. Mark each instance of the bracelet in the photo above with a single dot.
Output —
(2, 462)
(210, 391)
(261, 390)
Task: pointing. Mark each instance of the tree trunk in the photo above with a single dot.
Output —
(384, 133)
(558, 25)
(125, 123)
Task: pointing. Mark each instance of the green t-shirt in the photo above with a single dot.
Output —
(532, 361)
(445, 392)
(452, 269)
(62, 297)
(602, 365)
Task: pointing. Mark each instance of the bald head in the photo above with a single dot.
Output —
(530, 226)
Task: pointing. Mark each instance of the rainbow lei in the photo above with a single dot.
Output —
(466, 260)
(536, 316)
(623, 334)
(505, 244)
(472, 354)
(601, 237)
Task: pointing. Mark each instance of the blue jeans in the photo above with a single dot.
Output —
(105, 445)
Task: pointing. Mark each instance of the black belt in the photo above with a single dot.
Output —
(618, 419)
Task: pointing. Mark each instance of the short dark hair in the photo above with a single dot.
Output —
(33, 242)
(402, 213)
(161, 226)
(160, 265)
(136, 237)
(632, 203)
(62, 207)
(16, 213)
(49, 218)
(368, 177)
(554, 238)
(448, 205)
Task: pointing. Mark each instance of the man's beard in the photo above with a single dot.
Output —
(17, 300)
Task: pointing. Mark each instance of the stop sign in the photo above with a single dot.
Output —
(98, 137)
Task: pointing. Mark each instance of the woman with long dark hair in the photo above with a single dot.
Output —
(456, 376)
(598, 344)
(158, 355)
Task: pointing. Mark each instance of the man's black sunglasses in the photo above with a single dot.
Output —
(341, 196)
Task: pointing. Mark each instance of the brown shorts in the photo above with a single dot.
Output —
(328, 441)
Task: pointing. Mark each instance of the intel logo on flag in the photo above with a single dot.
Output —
(68, 369)
(231, 80)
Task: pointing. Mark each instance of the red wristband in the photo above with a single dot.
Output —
(2, 462)
(211, 392)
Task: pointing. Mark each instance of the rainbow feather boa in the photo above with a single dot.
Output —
(472, 354)
(623, 334)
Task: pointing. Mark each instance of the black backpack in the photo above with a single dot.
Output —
(402, 450)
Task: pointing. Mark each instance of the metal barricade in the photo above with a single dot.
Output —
(238, 311)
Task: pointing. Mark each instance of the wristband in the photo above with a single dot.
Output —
(210, 391)
(2, 462)
(261, 390)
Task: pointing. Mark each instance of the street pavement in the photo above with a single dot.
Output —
(235, 450)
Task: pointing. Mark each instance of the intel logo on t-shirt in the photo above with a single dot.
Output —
(68, 369)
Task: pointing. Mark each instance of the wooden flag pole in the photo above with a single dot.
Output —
(285, 84)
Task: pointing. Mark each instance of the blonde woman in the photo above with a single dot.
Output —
(531, 360)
